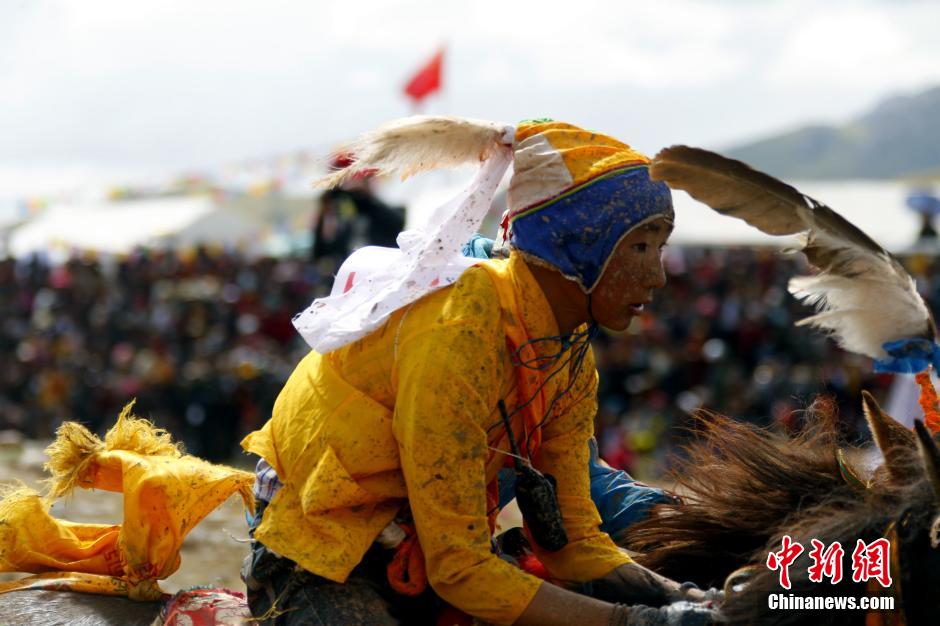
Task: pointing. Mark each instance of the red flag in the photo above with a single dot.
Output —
(427, 80)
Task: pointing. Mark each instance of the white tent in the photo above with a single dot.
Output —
(118, 227)
(876, 207)
(11, 213)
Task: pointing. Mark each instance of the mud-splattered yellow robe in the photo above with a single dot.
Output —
(410, 412)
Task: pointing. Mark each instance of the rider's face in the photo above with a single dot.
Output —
(634, 271)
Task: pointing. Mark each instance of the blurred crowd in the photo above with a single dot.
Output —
(203, 340)
(721, 336)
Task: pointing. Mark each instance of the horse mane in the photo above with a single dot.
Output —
(744, 487)
(737, 482)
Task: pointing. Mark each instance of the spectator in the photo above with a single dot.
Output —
(204, 341)
(349, 217)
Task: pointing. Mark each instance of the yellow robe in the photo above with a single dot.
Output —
(410, 412)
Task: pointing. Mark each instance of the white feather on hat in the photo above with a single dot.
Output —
(375, 282)
(420, 143)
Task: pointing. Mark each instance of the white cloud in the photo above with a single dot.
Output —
(177, 83)
(876, 46)
(603, 44)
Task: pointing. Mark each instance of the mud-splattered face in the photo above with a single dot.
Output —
(634, 271)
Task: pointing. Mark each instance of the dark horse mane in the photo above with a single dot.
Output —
(744, 487)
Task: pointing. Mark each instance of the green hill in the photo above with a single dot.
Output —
(899, 138)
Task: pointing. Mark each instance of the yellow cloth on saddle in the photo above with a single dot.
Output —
(165, 492)
(410, 413)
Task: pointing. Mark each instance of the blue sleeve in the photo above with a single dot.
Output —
(478, 247)
(620, 500)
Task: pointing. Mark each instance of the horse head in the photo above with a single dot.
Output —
(745, 487)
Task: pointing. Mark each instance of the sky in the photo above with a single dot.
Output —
(96, 90)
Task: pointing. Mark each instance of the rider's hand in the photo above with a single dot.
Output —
(690, 592)
(675, 614)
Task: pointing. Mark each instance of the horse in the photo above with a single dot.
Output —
(745, 488)
(65, 608)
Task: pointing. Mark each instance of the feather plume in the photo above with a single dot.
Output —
(863, 295)
(420, 143)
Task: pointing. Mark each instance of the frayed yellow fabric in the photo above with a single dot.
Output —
(68, 455)
(75, 447)
(139, 435)
(166, 493)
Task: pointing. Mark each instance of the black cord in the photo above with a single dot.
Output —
(576, 345)
(566, 342)
(513, 447)
(578, 357)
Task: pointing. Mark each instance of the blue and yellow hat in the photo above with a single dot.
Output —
(575, 194)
